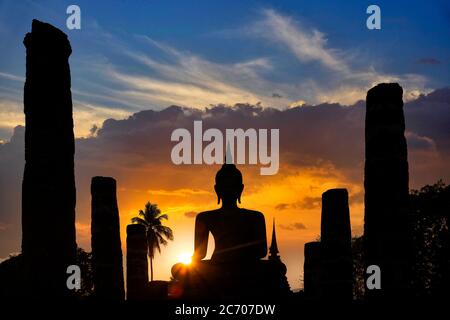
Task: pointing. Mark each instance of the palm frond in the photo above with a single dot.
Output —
(157, 246)
(161, 239)
(139, 221)
(162, 217)
(166, 231)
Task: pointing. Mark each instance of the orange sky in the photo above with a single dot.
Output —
(292, 197)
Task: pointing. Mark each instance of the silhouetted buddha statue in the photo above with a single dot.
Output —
(239, 234)
(235, 268)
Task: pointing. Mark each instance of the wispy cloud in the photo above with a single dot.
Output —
(10, 76)
(346, 83)
(190, 80)
(307, 45)
(126, 74)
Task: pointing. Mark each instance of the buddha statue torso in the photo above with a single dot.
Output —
(239, 235)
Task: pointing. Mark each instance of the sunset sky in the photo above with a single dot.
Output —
(142, 69)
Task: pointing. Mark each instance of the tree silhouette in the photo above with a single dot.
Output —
(84, 261)
(151, 217)
(430, 207)
(358, 267)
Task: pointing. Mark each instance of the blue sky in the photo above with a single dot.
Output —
(137, 55)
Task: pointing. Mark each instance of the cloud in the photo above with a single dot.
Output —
(178, 192)
(129, 73)
(309, 203)
(282, 206)
(11, 115)
(3, 226)
(115, 75)
(428, 61)
(420, 142)
(190, 214)
(12, 77)
(83, 231)
(299, 226)
(186, 79)
(293, 226)
(340, 81)
(306, 45)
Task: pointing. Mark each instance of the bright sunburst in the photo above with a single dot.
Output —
(185, 258)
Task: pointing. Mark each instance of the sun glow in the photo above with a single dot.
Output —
(185, 258)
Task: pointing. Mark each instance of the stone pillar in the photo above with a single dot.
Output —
(105, 242)
(336, 250)
(386, 231)
(48, 188)
(137, 263)
(312, 270)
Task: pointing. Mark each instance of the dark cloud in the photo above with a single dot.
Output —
(190, 214)
(93, 130)
(282, 206)
(306, 203)
(356, 198)
(299, 226)
(428, 61)
(420, 142)
(309, 203)
(293, 226)
(276, 95)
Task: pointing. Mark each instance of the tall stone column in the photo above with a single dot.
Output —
(106, 245)
(137, 263)
(312, 270)
(48, 188)
(386, 226)
(337, 266)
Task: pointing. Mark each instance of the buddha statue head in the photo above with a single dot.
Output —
(229, 184)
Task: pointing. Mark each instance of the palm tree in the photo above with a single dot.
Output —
(156, 232)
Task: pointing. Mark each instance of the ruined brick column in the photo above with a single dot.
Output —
(137, 263)
(386, 231)
(48, 188)
(106, 245)
(337, 274)
(312, 270)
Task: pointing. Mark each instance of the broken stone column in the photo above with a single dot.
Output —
(386, 226)
(137, 263)
(336, 250)
(312, 270)
(106, 245)
(48, 188)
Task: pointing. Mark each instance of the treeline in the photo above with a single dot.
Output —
(429, 223)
